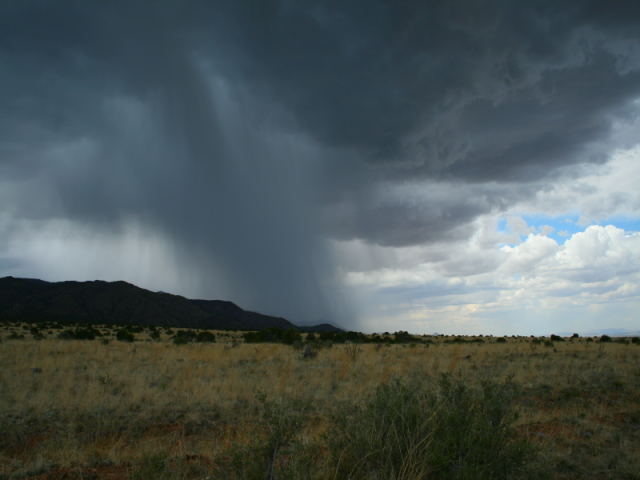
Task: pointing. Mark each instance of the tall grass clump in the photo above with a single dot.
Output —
(275, 451)
(406, 431)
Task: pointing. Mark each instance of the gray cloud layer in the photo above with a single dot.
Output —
(249, 131)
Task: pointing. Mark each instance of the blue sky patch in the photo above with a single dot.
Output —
(628, 224)
(564, 226)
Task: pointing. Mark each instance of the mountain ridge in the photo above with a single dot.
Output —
(123, 303)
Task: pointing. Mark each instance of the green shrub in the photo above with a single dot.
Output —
(87, 333)
(183, 337)
(189, 336)
(205, 337)
(605, 338)
(80, 333)
(342, 337)
(454, 432)
(125, 335)
(403, 337)
(290, 336)
(36, 334)
(273, 335)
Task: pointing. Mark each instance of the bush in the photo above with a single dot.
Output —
(125, 335)
(190, 336)
(342, 337)
(556, 338)
(184, 336)
(605, 338)
(273, 335)
(87, 333)
(36, 334)
(403, 337)
(80, 333)
(205, 337)
(455, 432)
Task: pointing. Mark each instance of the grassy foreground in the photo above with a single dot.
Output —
(88, 409)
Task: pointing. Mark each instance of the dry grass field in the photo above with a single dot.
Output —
(522, 408)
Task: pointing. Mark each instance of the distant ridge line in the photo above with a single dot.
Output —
(122, 303)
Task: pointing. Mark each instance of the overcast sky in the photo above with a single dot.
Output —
(436, 166)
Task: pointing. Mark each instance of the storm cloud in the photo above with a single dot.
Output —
(250, 135)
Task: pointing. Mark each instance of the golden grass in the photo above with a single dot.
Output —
(68, 404)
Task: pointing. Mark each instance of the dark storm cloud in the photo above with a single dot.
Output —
(457, 89)
(245, 131)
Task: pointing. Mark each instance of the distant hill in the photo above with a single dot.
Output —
(121, 303)
(322, 327)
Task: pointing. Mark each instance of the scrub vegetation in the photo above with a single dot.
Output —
(98, 402)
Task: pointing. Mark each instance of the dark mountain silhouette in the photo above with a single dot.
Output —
(322, 327)
(121, 303)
